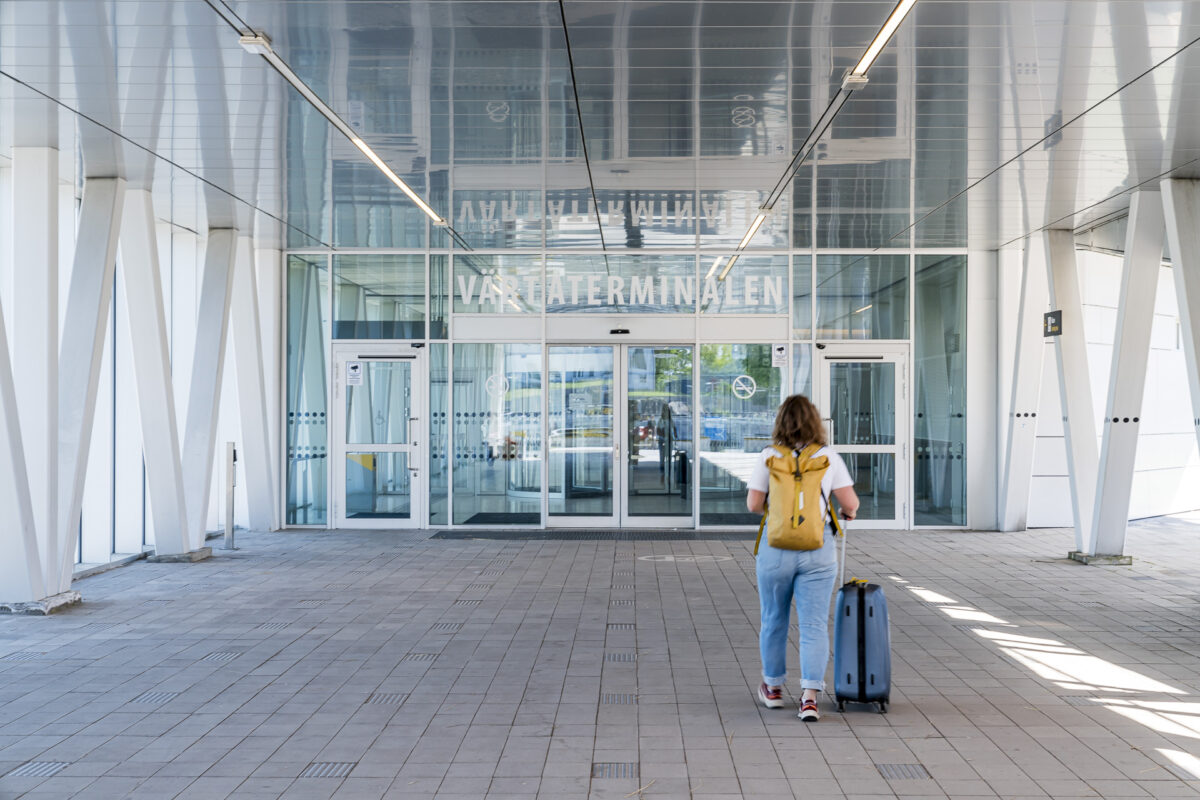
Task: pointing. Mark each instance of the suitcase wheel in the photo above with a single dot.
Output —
(883, 706)
(841, 706)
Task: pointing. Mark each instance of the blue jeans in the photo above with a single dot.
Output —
(808, 576)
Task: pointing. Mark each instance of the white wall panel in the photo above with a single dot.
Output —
(1167, 477)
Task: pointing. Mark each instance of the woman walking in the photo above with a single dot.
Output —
(806, 575)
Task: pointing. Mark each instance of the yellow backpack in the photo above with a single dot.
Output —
(793, 517)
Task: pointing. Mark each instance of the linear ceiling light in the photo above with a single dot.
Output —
(259, 44)
(732, 260)
(885, 33)
(713, 269)
(754, 226)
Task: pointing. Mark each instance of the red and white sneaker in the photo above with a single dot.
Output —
(770, 696)
(809, 711)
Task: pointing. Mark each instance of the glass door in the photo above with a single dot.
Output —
(582, 449)
(378, 465)
(862, 395)
(659, 428)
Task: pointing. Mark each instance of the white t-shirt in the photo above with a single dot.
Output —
(836, 477)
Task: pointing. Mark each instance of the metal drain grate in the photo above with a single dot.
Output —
(309, 603)
(155, 602)
(901, 772)
(621, 626)
(328, 769)
(622, 602)
(273, 626)
(155, 697)
(1080, 700)
(623, 574)
(623, 586)
(420, 657)
(386, 699)
(475, 587)
(337, 587)
(220, 658)
(38, 769)
(614, 769)
(620, 657)
(491, 573)
(619, 699)
(1092, 604)
(465, 603)
(446, 627)
(21, 656)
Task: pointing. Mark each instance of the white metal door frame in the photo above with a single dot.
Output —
(415, 448)
(827, 353)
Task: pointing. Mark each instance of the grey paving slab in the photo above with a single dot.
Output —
(1017, 673)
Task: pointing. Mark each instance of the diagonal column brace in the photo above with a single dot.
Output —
(1074, 383)
(152, 369)
(1127, 379)
(21, 577)
(252, 395)
(1027, 387)
(200, 430)
(82, 350)
(1181, 204)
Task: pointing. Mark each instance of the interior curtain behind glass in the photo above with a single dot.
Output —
(307, 373)
(940, 370)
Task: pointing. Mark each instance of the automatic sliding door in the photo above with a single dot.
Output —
(659, 426)
(581, 454)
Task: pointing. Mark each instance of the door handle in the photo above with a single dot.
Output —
(411, 420)
(829, 428)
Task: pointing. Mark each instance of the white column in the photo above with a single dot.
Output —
(152, 368)
(1075, 387)
(21, 577)
(257, 461)
(35, 335)
(88, 300)
(212, 324)
(1127, 379)
(269, 264)
(1027, 386)
(1181, 204)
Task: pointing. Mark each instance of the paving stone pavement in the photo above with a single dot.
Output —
(391, 665)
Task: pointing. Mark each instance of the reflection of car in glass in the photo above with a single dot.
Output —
(580, 437)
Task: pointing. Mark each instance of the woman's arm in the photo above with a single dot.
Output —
(756, 501)
(847, 502)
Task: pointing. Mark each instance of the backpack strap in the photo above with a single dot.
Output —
(762, 523)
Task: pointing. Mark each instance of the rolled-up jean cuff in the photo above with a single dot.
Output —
(818, 685)
(774, 681)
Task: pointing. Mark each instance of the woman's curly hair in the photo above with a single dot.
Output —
(798, 423)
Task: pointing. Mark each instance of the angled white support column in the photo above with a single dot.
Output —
(208, 363)
(258, 462)
(152, 368)
(35, 336)
(82, 350)
(1027, 387)
(1074, 383)
(1127, 379)
(21, 576)
(1181, 204)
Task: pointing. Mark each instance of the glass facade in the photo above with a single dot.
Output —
(940, 409)
(497, 434)
(525, 429)
(307, 376)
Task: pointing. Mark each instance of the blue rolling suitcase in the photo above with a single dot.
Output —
(862, 646)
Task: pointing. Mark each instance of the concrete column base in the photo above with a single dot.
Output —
(47, 605)
(1100, 560)
(198, 554)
